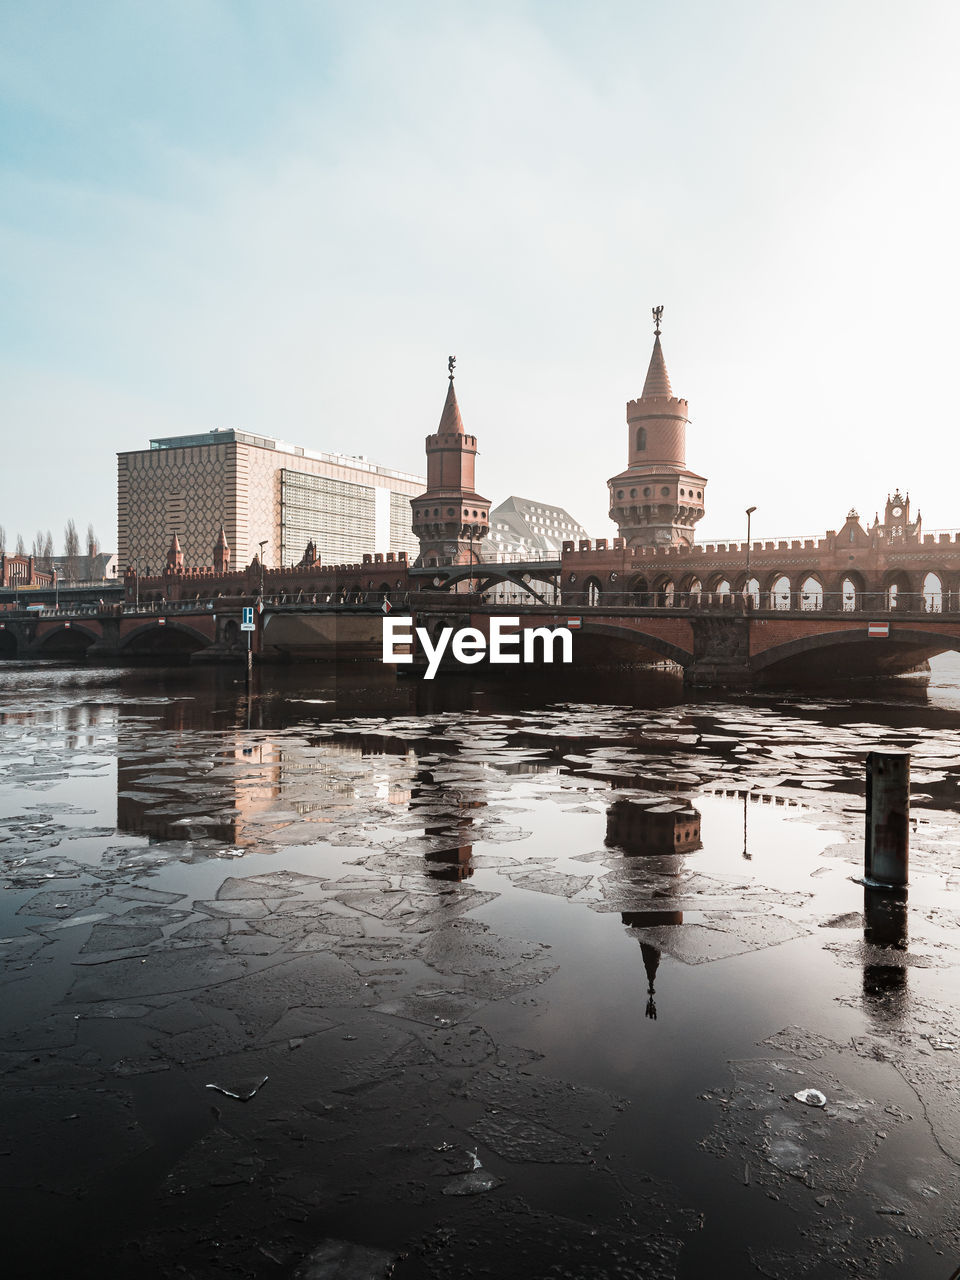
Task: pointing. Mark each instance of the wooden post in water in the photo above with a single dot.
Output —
(887, 835)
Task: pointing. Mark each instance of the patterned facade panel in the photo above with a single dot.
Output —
(339, 516)
(184, 491)
(402, 537)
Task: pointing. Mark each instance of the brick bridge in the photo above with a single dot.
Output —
(717, 639)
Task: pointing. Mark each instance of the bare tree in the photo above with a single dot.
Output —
(93, 545)
(21, 548)
(36, 550)
(3, 540)
(48, 551)
(71, 539)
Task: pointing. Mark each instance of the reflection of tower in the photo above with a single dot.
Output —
(651, 962)
(656, 501)
(450, 518)
(651, 829)
(885, 927)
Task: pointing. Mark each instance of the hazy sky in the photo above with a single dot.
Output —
(283, 216)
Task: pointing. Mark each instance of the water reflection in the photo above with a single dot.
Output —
(885, 986)
(649, 828)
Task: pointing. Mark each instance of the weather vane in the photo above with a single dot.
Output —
(452, 360)
(657, 317)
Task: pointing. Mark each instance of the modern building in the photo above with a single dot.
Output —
(259, 490)
(525, 528)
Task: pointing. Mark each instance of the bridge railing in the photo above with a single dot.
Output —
(886, 603)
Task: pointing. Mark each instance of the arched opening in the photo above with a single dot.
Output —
(811, 595)
(780, 593)
(933, 593)
(231, 632)
(691, 589)
(849, 595)
(8, 644)
(641, 439)
(66, 642)
(592, 588)
(640, 589)
(899, 594)
(751, 590)
(665, 593)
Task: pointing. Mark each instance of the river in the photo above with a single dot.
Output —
(355, 977)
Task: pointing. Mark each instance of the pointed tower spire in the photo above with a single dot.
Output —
(658, 380)
(221, 552)
(450, 421)
(174, 555)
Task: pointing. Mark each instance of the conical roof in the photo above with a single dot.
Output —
(450, 420)
(175, 544)
(222, 538)
(658, 380)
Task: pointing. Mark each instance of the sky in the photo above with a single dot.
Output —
(283, 217)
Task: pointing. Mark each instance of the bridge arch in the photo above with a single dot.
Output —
(9, 647)
(850, 652)
(634, 639)
(172, 637)
(67, 640)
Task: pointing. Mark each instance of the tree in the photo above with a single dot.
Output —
(36, 549)
(93, 546)
(3, 540)
(21, 548)
(71, 539)
(48, 551)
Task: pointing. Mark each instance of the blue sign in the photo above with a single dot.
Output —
(248, 623)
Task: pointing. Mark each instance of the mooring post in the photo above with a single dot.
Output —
(887, 835)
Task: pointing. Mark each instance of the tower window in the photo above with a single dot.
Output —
(641, 439)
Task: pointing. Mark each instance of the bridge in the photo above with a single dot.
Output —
(718, 639)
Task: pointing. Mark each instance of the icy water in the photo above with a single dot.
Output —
(359, 978)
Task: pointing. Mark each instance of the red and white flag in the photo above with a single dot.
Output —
(574, 624)
(878, 630)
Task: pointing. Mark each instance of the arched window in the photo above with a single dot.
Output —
(811, 595)
(752, 591)
(641, 439)
(932, 593)
(593, 591)
(780, 593)
(848, 590)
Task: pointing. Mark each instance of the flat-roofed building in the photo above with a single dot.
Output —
(257, 488)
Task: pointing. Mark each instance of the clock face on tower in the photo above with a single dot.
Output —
(897, 511)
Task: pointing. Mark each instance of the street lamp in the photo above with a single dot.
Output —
(747, 591)
(261, 545)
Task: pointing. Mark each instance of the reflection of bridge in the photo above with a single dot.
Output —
(716, 639)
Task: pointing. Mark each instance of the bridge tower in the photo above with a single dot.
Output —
(450, 518)
(656, 501)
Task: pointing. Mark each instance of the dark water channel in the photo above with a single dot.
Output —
(507, 985)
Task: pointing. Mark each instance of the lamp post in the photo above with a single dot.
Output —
(56, 589)
(261, 545)
(746, 585)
